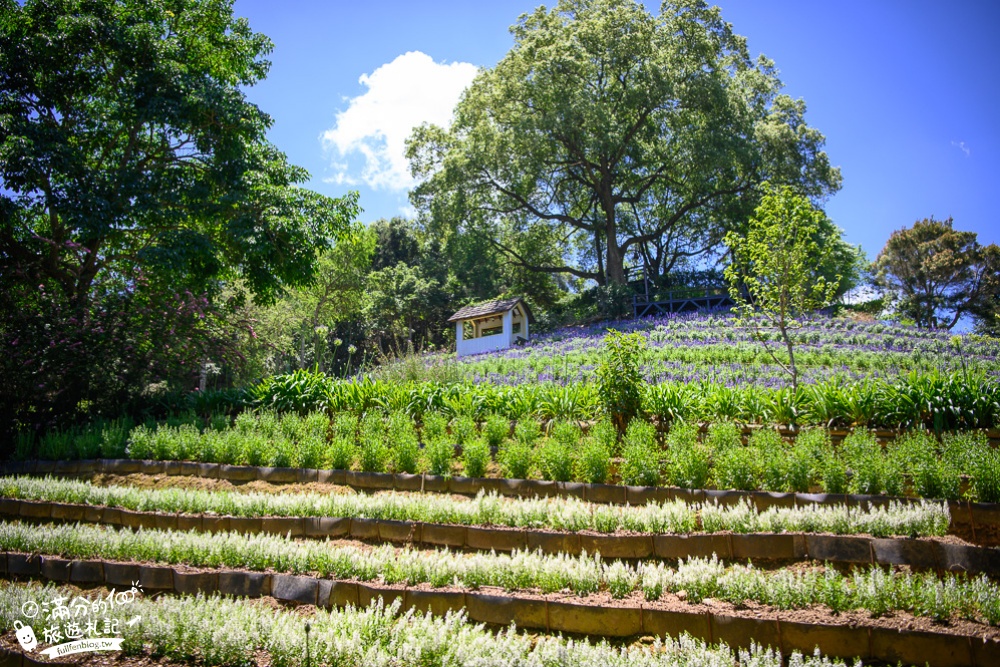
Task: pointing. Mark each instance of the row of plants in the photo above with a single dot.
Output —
(712, 343)
(816, 328)
(916, 463)
(221, 632)
(569, 514)
(868, 588)
(739, 361)
(937, 401)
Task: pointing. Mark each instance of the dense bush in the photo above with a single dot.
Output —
(688, 460)
(557, 455)
(640, 455)
(475, 457)
(619, 377)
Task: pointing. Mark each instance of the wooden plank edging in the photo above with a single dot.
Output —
(918, 553)
(562, 615)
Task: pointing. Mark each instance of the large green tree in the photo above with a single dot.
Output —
(131, 161)
(936, 274)
(611, 128)
(300, 330)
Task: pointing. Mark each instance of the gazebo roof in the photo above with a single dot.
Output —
(494, 307)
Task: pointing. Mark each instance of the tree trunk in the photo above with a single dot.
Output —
(791, 358)
(615, 259)
(615, 264)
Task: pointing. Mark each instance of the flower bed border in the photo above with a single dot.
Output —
(541, 613)
(964, 514)
(924, 554)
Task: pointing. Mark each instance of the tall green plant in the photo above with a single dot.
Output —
(780, 268)
(619, 377)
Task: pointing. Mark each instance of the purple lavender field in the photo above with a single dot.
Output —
(712, 348)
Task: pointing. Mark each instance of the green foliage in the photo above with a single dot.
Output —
(440, 455)
(557, 456)
(689, 461)
(932, 475)
(740, 468)
(403, 443)
(669, 402)
(527, 432)
(594, 463)
(345, 426)
(341, 453)
(579, 401)
(439, 446)
(495, 429)
(866, 461)
(301, 391)
(463, 429)
(137, 176)
(475, 457)
(435, 427)
(619, 377)
(986, 476)
(641, 456)
(828, 468)
(605, 433)
(796, 463)
(723, 436)
(935, 274)
(516, 458)
(585, 129)
(777, 274)
(373, 451)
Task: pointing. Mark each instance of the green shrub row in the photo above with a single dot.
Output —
(917, 463)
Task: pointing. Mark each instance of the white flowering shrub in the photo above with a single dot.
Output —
(875, 589)
(570, 514)
(218, 631)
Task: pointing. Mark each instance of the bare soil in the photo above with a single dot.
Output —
(141, 481)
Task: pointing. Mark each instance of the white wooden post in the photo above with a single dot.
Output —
(524, 326)
(508, 327)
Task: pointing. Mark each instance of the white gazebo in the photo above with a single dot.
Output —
(493, 325)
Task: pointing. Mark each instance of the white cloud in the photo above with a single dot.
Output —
(372, 131)
(962, 147)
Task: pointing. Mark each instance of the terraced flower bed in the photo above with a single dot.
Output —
(698, 347)
(872, 588)
(892, 636)
(854, 516)
(565, 514)
(188, 629)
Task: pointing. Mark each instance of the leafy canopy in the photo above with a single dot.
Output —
(136, 181)
(605, 127)
(126, 141)
(935, 274)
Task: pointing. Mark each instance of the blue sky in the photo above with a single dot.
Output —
(906, 92)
